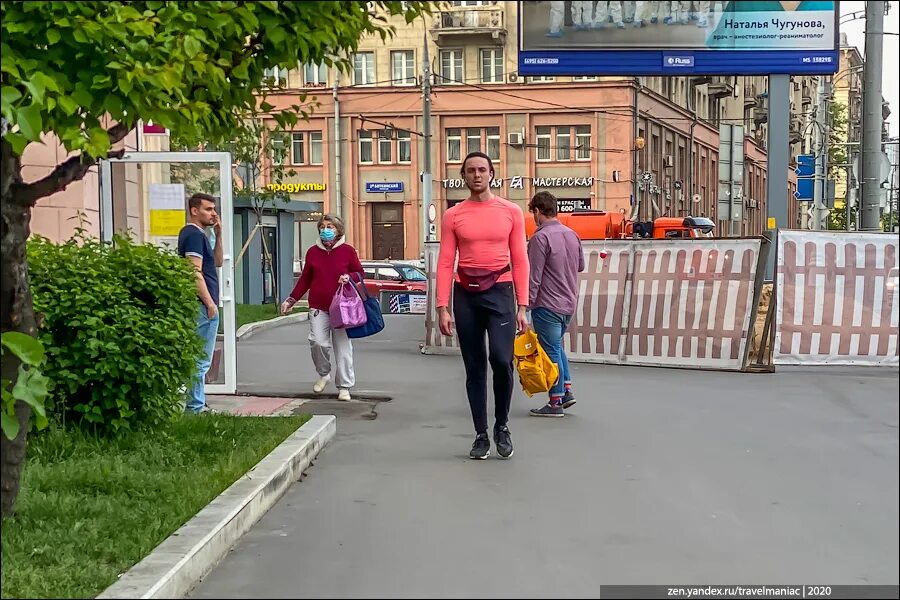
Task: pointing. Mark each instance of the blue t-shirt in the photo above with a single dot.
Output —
(192, 241)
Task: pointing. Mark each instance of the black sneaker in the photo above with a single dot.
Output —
(548, 410)
(503, 441)
(481, 449)
(568, 400)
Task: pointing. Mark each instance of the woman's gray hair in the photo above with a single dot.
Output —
(334, 220)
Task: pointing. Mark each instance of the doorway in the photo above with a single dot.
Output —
(387, 231)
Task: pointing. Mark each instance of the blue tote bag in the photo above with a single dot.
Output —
(375, 321)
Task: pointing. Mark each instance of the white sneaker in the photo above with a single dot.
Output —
(344, 395)
(321, 383)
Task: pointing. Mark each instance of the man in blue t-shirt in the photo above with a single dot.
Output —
(194, 245)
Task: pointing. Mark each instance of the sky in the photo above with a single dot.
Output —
(856, 36)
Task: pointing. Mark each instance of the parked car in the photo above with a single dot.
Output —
(393, 276)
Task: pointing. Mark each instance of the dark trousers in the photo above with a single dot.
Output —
(492, 312)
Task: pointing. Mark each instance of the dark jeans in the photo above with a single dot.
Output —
(550, 328)
(492, 312)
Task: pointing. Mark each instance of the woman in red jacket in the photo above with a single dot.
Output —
(328, 264)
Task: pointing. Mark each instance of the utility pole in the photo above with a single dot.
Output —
(870, 179)
(426, 129)
(821, 176)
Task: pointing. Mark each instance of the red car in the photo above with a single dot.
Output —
(393, 276)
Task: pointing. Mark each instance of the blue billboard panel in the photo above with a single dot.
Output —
(677, 38)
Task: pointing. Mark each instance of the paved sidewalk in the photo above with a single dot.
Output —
(656, 476)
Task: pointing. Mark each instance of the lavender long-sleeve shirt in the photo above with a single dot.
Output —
(555, 258)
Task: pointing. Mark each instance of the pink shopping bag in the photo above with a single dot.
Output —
(347, 308)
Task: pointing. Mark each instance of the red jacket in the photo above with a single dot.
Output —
(321, 271)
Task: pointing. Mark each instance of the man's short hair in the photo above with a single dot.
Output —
(197, 200)
(545, 203)
(462, 169)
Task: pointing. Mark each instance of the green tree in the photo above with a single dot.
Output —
(837, 161)
(85, 72)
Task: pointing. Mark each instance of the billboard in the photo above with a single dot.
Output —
(740, 37)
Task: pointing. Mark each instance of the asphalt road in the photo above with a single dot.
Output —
(656, 476)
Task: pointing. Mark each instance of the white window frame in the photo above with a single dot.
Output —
(385, 148)
(298, 137)
(543, 136)
(583, 139)
(364, 65)
(453, 77)
(495, 76)
(365, 138)
(492, 136)
(454, 138)
(567, 139)
(278, 75)
(542, 79)
(315, 140)
(473, 133)
(404, 146)
(319, 75)
(408, 75)
(584, 78)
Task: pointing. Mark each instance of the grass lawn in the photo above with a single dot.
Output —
(90, 509)
(251, 313)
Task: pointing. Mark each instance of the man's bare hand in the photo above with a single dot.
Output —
(445, 322)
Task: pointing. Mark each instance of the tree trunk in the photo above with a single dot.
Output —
(16, 314)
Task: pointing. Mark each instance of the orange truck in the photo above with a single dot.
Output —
(602, 225)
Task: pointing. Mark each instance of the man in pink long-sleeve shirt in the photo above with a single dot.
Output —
(488, 234)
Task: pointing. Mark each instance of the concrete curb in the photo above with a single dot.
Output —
(248, 330)
(174, 567)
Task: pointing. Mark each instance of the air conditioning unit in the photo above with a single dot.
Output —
(514, 138)
(512, 77)
(668, 161)
(751, 203)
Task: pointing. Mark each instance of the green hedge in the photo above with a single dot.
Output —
(118, 323)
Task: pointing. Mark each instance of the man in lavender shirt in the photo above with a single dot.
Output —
(555, 256)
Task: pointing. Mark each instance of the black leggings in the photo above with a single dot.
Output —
(494, 312)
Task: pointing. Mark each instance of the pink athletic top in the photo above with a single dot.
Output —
(488, 234)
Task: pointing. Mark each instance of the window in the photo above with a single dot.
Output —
(544, 79)
(454, 145)
(492, 65)
(404, 146)
(389, 274)
(279, 149)
(473, 140)
(364, 68)
(315, 75)
(583, 142)
(584, 78)
(365, 146)
(563, 143)
(493, 143)
(298, 155)
(543, 143)
(275, 77)
(315, 147)
(412, 274)
(452, 72)
(384, 146)
(403, 70)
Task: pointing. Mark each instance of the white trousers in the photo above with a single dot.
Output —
(604, 10)
(322, 340)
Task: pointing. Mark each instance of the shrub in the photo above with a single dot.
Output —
(118, 324)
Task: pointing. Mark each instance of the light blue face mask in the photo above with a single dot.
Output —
(327, 235)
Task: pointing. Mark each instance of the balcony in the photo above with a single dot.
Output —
(796, 131)
(750, 94)
(720, 89)
(807, 96)
(453, 24)
(760, 115)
